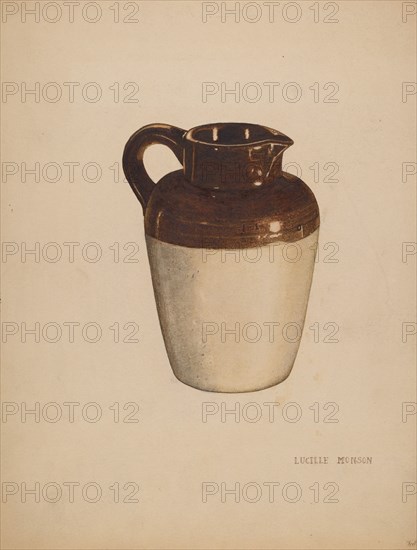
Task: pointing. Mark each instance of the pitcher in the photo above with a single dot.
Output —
(231, 241)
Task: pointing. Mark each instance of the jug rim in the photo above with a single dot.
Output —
(236, 134)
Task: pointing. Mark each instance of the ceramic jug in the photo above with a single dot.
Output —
(231, 242)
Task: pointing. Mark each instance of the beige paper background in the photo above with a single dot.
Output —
(369, 292)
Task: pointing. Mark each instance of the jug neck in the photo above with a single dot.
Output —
(233, 156)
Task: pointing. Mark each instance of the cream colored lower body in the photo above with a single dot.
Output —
(232, 319)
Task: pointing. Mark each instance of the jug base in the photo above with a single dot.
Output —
(231, 324)
(220, 389)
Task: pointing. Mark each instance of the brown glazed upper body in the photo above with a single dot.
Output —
(231, 192)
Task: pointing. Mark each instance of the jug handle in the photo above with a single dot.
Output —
(133, 166)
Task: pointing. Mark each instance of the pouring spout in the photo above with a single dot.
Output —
(280, 140)
(277, 145)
